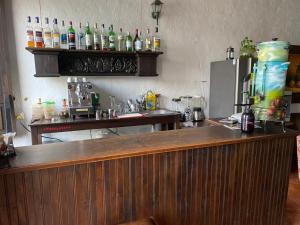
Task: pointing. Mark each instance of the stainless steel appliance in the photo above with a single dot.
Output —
(79, 95)
(198, 114)
(226, 86)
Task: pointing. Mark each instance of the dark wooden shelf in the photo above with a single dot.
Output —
(50, 62)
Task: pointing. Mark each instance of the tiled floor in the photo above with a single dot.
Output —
(293, 202)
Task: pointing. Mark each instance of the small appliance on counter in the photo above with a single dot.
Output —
(198, 114)
(80, 97)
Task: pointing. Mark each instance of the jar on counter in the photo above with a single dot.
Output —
(49, 109)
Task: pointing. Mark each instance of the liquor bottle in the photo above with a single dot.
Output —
(137, 44)
(38, 34)
(142, 41)
(63, 36)
(112, 39)
(104, 39)
(29, 33)
(121, 41)
(71, 37)
(148, 44)
(129, 47)
(88, 37)
(80, 38)
(55, 34)
(96, 38)
(156, 41)
(47, 34)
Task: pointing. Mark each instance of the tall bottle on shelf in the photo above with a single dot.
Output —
(29, 33)
(129, 45)
(80, 38)
(148, 42)
(121, 41)
(104, 39)
(63, 36)
(55, 34)
(156, 41)
(96, 37)
(137, 44)
(112, 39)
(47, 34)
(71, 37)
(38, 34)
(88, 37)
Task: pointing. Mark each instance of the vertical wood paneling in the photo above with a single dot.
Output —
(230, 184)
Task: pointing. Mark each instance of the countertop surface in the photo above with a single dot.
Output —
(62, 154)
(145, 114)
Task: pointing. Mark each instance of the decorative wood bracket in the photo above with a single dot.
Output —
(61, 62)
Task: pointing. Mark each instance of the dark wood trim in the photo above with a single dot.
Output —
(61, 62)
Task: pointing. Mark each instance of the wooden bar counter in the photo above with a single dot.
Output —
(209, 175)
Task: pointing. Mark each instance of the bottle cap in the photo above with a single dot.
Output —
(71, 23)
(63, 23)
(46, 20)
(55, 21)
(28, 19)
(37, 19)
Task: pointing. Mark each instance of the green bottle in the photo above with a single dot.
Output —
(129, 47)
(88, 37)
(71, 37)
(112, 39)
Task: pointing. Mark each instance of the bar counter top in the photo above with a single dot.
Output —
(61, 154)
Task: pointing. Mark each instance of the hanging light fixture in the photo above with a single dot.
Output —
(156, 9)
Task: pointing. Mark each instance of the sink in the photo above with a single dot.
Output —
(159, 112)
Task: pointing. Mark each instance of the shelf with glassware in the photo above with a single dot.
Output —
(50, 62)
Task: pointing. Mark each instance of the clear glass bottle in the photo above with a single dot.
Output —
(121, 41)
(137, 44)
(63, 36)
(129, 45)
(148, 42)
(80, 38)
(47, 34)
(88, 37)
(156, 41)
(38, 34)
(104, 39)
(96, 37)
(29, 33)
(55, 34)
(142, 41)
(71, 37)
(112, 39)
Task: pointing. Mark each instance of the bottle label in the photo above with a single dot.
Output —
(104, 42)
(81, 40)
(63, 39)
(55, 40)
(111, 42)
(88, 40)
(47, 39)
(71, 38)
(128, 44)
(96, 39)
(148, 43)
(30, 36)
(156, 44)
(38, 36)
(138, 45)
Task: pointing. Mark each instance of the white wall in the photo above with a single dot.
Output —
(194, 33)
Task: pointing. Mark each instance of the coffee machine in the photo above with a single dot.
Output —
(79, 96)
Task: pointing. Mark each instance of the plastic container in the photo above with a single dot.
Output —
(49, 109)
(37, 110)
(270, 78)
(150, 101)
(273, 51)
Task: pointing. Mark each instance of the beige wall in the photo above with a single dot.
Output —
(194, 33)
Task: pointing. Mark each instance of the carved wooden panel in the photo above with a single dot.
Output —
(86, 65)
(229, 184)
